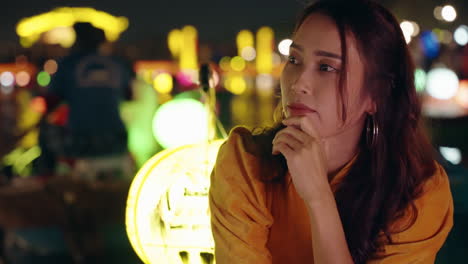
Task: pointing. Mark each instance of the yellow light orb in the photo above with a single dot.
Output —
(236, 84)
(238, 63)
(167, 213)
(175, 42)
(265, 40)
(163, 83)
(225, 63)
(245, 38)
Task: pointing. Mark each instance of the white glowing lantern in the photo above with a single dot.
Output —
(442, 83)
(167, 215)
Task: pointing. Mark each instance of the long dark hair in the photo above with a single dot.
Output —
(386, 178)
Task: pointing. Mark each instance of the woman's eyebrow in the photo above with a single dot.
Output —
(328, 54)
(321, 53)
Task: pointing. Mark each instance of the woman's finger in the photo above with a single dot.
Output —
(283, 148)
(300, 135)
(303, 123)
(290, 140)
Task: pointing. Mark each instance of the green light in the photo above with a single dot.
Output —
(180, 122)
(136, 114)
(43, 79)
(420, 80)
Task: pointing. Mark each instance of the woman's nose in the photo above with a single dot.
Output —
(302, 85)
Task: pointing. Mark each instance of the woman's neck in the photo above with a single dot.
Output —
(342, 147)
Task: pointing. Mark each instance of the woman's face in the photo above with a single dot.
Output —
(310, 79)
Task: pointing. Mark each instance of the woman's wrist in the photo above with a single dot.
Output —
(321, 201)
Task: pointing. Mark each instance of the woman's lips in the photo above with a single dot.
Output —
(299, 109)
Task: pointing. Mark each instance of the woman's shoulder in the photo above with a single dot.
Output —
(245, 142)
(434, 208)
(437, 184)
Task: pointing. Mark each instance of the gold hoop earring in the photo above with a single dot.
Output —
(372, 131)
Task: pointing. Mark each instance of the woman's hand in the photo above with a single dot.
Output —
(304, 151)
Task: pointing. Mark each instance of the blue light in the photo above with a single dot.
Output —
(430, 44)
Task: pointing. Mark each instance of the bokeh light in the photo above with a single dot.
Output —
(7, 78)
(225, 63)
(184, 78)
(175, 41)
(235, 84)
(430, 44)
(444, 36)
(408, 29)
(283, 46)
(23, 78)
(43, 78)
(264, 84)
(63, 36)
(449, 13)
(50, 66)
(451, 154)
(245, 38)
(462, 96)
(265, 40)
(276, 59)
(238, 63)
(188, 54)
(461, 35)
(163, 83)
(249, 53)
(180, 122)
(30, 29)
(416, 29)
(39, 105)
(214, 79)
(420, 77)
(442, 83)
(438, 13)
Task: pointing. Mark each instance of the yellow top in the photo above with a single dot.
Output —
(251, 225)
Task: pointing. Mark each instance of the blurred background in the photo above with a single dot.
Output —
(68, 155)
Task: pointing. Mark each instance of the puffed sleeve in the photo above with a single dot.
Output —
(240, 219)
(421, 241)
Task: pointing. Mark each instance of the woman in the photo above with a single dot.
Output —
(347, 176)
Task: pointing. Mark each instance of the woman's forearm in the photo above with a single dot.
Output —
(328, 238)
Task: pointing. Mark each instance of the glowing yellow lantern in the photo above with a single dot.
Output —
(60, 20)
(167, 216)
(188, 55)
(265, 39)
(244, 39)
(175, 41)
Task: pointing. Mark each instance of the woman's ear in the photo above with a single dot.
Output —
(371, 107)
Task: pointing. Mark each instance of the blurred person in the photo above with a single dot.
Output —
(94, 142)
(347, 175)
(93, 85)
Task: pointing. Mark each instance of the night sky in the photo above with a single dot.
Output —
(216, 20)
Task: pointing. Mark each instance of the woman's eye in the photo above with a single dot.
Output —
(327, 68)
(292, 60)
